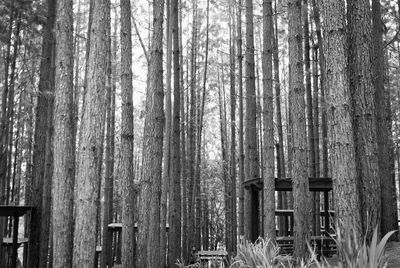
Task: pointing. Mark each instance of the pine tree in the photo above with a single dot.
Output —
(301, 194)
(62, 188)
(127, 174)
(268, 123)
(341, 143)
(91, 142)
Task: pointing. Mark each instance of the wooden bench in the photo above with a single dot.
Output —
(206, 257)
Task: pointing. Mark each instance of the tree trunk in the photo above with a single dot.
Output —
(240, 132)
(91, 142)
(384, 129)
(174, 237)
(224, 153)
(301, 194)
(192, 134)
(184, 177)
(268, 123)
(341, 143)
(364, 116)
(43, 122)
(233, 195)
(310, 117)
(251, 157)
(109, 157)
(150, 192)
(167, 136)
(127, 175)
(62, 188)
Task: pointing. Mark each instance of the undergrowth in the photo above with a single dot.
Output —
(353, 254)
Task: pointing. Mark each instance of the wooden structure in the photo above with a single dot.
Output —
(15, 212)
(255, 186)
(115, 229)
(212, 257)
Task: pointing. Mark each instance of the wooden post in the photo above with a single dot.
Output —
(15, 241)
(254, 221)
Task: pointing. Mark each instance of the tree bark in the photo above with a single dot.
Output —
(384, 127)
(341, 143)
(91, 143)
(192, 134)
(240, 131)
(364, 112)
(251, 157)
(167, 135)
(174, 237)
(301, 194)
(127, 174)
(268, 123)
(109, 156)
(62, 188)
(150, 192)
(40, 150)
(233, 180)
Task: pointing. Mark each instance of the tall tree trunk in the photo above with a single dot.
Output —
(301, 194)
(310, 119)
(150, 192)
(167, 136)
(64, 156)
(282, 196)
(240, 132)
(43, 122)
(341, 143)
(192, 133)
(268, 123)
(251, 157)
(315, 106)
(323, 89)
(384, 130)
(91, 142)
(364, 112)
(233, 195)
(224, 153)
(128, 186)
(174, 237)
(109, 155)
(184, 205)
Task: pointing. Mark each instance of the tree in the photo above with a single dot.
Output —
(192, 134)
(232, 160)
(150, 192)
(128, 185)
(301, 194)
(341, 143)
(251, 155)
(62, 188)
(383, 127)
(364, 112)
(174, 237)
(240, 132)
(41, 148)
(268, 123)
(167, 134)
(91, 142)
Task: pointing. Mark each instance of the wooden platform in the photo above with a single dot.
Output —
(285, 184)
(8, 241)
(323, 245)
